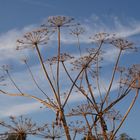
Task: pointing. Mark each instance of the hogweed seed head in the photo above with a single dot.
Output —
(77, 126)
(22, 126)
(132, 77)
(114, 115)
(52, 131)
(78, 30)
(63, 57)
(33, 38)
(80, 110)
(123, 44)
(6, 68)
(60, 21)
(102, 37)
(134, 71)
(83, 62)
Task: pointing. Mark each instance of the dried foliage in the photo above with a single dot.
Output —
(98, 111)
(19, 128)
(52, 132)
(31, 39)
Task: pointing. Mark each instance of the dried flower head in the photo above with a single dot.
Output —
(102, 37)
(52, 131)
(80, 110)
(77, 126)
(59, 21)
(6, 67)
(83, 62)
(31, 39)
(121, 69)
(132, 77)
(93, 52)
(134, 73)
(122, 44)
(135, 70)
(24, 59)
(114, 115)
(78, 30)
(22, 126)
(63, 57)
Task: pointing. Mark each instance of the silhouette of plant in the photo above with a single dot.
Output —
(77, 127)
(20, 128)
(84, 77)
(77, 31)
(52, 132)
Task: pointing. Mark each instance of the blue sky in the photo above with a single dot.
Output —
(19, 16)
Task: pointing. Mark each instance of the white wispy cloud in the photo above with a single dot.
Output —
(92, 26)
(112, 24)
(95, 24)
(19, 109)
(27, 108)
(8, 42)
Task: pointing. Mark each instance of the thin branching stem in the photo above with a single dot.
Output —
(87, 122)
(32, 76)
(77, 77)
(46, 73)
(126, 114)
(53, 77)
(97, 78)
(32, 97)
(74, 83)
(91, 92)
(58, 66)
(96, 107)
(75, 133)
(112, 78)
(78, 44)
(14, 83)
(126, 92)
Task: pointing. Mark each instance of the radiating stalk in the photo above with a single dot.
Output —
(126, 114)
(45, 71)
(28, 67)
(77, 77)
(58, 67)
(75, 133)
(79, 45)
(96, 108)
(74, 84)
(98, 85)
(14, 83)
(90, 91)
(112, 79)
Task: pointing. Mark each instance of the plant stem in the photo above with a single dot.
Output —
(58, 67)
(112, 79)
(65, 126)
(45, 71)
(126, 114)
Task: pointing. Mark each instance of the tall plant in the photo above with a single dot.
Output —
(84, 76)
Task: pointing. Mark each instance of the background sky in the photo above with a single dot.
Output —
(19, 16)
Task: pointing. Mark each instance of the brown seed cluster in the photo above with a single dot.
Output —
(122, 44)
(31, 39)
(78, 30)
(60, 21)
(63, 57)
